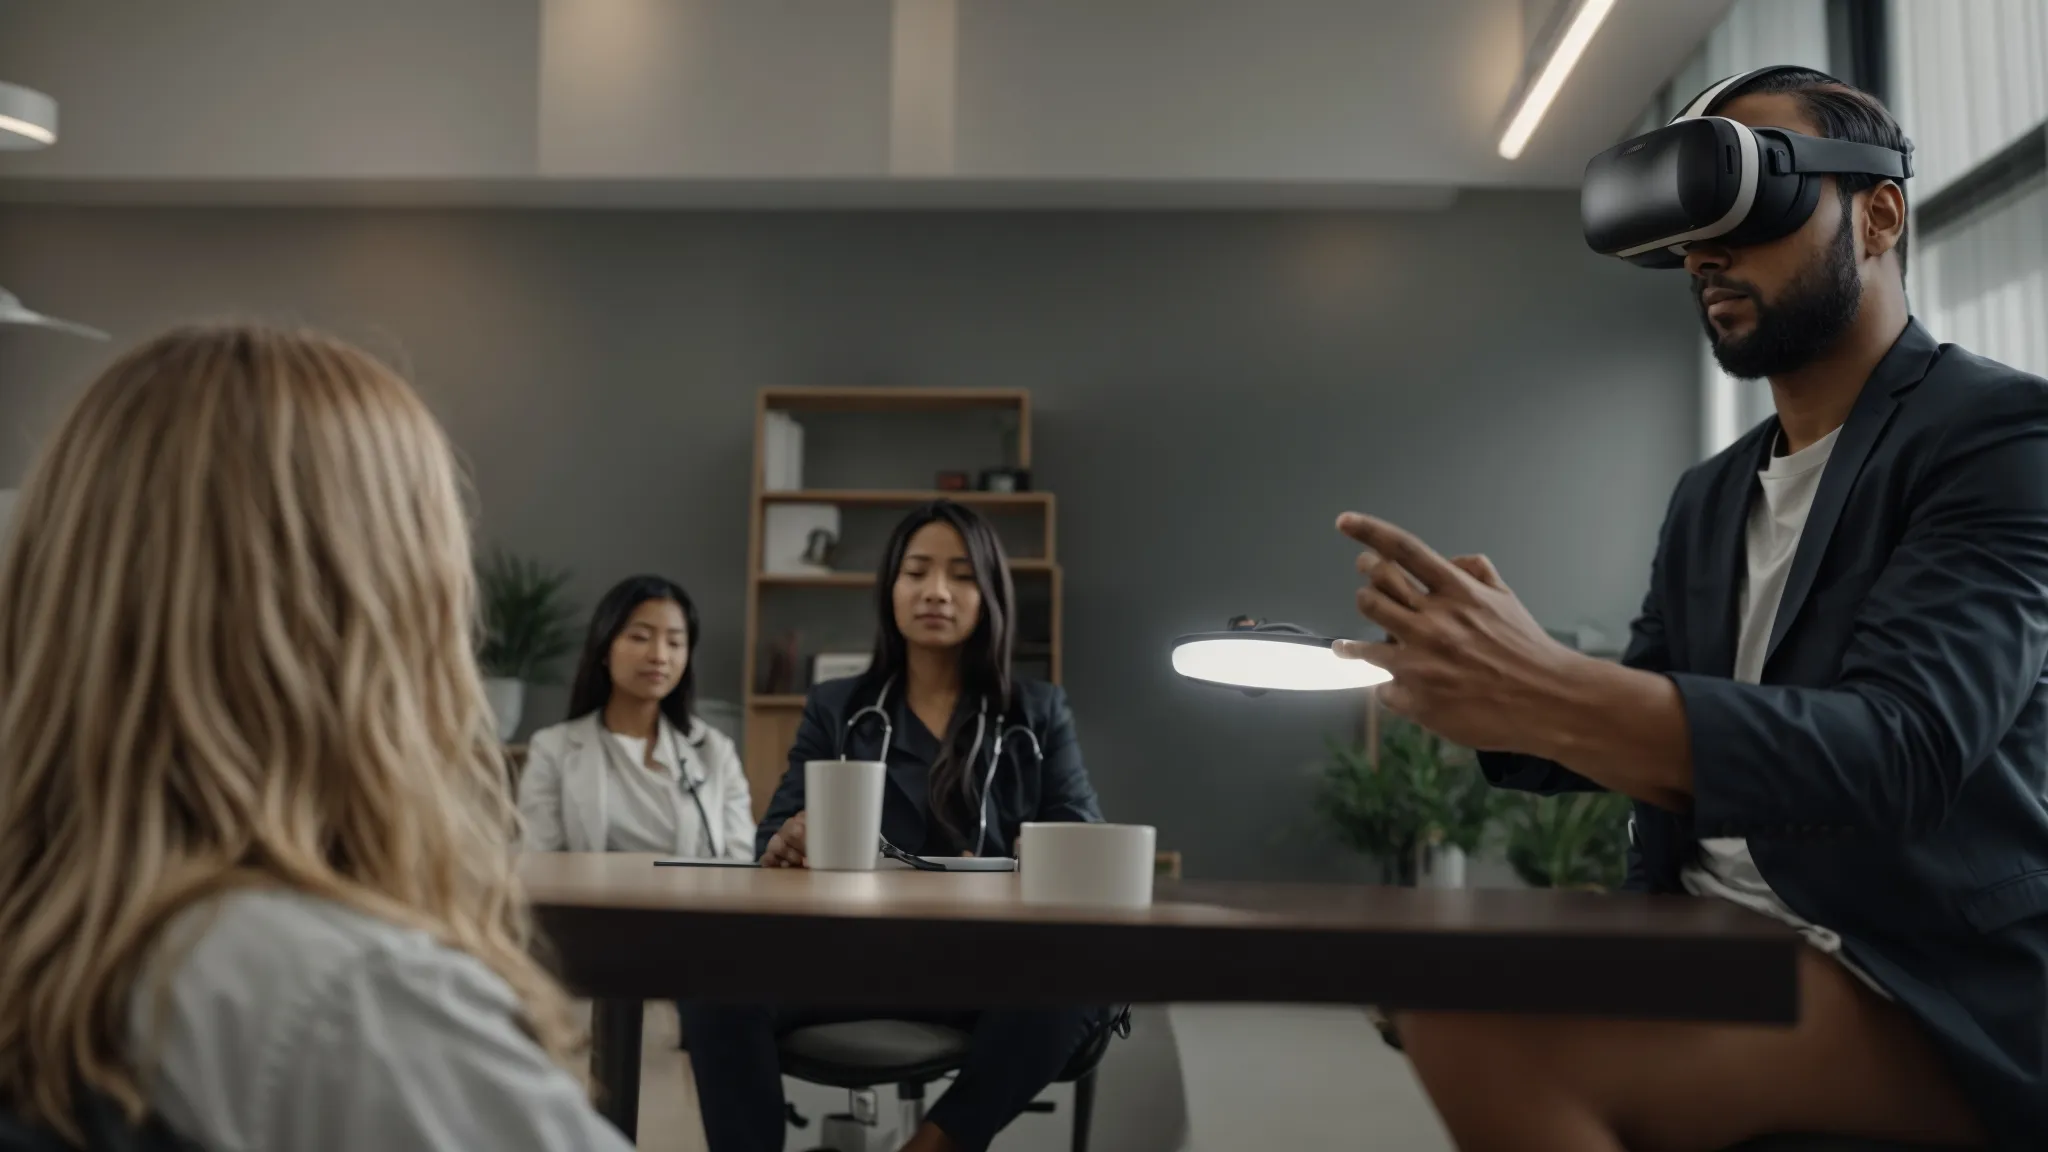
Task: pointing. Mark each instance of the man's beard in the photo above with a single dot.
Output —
(1807, 319)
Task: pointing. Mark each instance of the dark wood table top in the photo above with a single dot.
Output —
(620, 927)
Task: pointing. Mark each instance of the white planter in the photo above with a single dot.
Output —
(1441, 866)
(508, 700)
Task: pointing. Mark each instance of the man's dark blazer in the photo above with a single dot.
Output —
(1891, 770)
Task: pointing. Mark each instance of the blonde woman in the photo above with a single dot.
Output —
(256, 849)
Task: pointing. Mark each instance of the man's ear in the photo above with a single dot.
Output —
(1884, 218)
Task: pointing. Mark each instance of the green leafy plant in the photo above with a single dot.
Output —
(1574, 840)
(528, 624)
(1423, 791)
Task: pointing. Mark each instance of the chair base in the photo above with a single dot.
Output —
(859, 1055)
(844, 1132)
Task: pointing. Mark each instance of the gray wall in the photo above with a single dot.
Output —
(1212, 390)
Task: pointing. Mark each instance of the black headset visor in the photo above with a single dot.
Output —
(1702, 178)
(1676, 180)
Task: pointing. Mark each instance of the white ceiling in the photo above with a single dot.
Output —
(1186, 103)
(1642, 44)
(1389, 90)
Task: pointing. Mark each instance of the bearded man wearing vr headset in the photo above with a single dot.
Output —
(1833, 706)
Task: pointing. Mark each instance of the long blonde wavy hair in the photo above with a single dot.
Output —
(236, 614)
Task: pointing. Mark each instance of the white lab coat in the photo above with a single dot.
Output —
(563, 788)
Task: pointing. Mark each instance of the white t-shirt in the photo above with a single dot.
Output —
(271, 1020)
(1725, 868)
(646, 808)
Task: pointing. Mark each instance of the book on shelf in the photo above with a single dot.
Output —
(782, 462)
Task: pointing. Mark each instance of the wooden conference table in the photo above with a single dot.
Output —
(623, 931)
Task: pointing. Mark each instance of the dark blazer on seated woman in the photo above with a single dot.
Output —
(1049, 787)
(944, 637)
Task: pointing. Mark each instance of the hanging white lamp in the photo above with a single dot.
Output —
(1256, 658)
(13, 311)
(28, 118)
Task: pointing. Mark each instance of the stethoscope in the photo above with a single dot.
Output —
(995, 758)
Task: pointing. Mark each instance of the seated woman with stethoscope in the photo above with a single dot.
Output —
(633, 769)
(972, 755)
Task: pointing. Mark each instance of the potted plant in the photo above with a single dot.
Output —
(1420, 805)
(1574, 840)
(528, 626)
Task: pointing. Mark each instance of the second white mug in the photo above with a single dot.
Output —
(1098, 865)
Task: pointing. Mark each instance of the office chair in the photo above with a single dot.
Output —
(861, 1055)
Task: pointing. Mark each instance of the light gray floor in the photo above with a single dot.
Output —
(1273, 1076)
(1191, 1078)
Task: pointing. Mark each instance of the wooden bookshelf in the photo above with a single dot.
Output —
(1018, 568)
(907, 498)
(817, 580)
(899, 400)
(772, 718)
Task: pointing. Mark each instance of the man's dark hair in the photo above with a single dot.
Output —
(1844, 112)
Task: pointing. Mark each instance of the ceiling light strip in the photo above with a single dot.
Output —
(1562, 56)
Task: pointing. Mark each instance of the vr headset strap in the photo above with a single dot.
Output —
(1811, 154)
(1825, 154)
(1705, 100)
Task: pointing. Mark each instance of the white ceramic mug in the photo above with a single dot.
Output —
(843, 814)
(1096, 865)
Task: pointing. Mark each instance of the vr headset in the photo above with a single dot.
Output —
(1706, 177)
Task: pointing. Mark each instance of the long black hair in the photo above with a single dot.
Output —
(984, 658)
(593, 685)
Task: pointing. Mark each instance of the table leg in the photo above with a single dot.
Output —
(615, 1062)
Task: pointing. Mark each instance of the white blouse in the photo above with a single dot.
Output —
(649, 809)
(586, 789)
(269, 1020)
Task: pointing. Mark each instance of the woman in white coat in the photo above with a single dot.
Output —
(633, 769)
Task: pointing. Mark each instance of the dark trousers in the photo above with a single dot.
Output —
(1011, 1058)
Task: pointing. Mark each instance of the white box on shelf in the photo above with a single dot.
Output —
(839, 665)
(782, 464)
(787, 534)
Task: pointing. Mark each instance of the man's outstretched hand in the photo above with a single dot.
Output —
(1469, 662)
(1472, 665)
